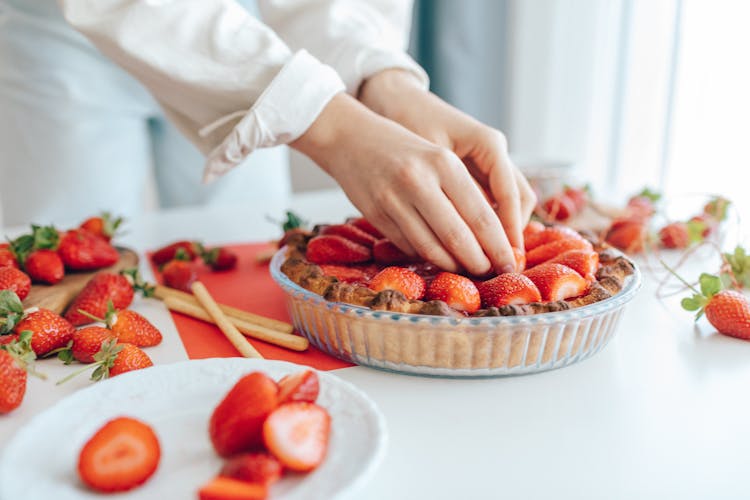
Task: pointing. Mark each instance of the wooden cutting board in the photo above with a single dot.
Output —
(57, 297)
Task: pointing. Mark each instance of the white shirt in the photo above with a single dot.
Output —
(231, 83)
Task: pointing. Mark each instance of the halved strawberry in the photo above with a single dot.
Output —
(584, 262)
(301, 386)
(385, 252)
(457, 291)
(548, 235)
(399, 278)
(334, 249)
(629, 235)
(532, 228)
(351, 233)
(256, 467)
(508, 288)
(297, 434)
(344, 273)
(548, 251)
(121, 455)
(226, 488)
(557, 282)
(366, 226)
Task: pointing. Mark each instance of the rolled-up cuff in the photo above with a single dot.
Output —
(357, 64)
(283, 112)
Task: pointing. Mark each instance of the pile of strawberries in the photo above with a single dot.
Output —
(261, 428)
(178, 262)
(556, 264)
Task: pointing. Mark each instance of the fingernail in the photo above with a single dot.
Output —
(507, 268)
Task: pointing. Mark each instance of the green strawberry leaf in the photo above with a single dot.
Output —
(691, 303)
(45, 237)
(695, 230)
(22, 247)
(293, 221)
(11, 311)
(739, 262)
(718, 208)
(650, 194)
(710, 284)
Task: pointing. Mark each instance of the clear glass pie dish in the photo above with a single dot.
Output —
(453, 347)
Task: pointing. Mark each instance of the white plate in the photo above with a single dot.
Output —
(177, 400)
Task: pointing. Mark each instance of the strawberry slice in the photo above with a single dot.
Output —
(399, 278)
(385, 252)
(366, 226)
(549, 251)
(629, 235)
(257, 467)
(302, 386)
(121, 455)
(583, 262)
(351, 233)
(344, 273)
(332, 249)
(226, 488)
(557, 282)
(548, 235)
(508, 288)
(297, 434)
(532, 228)
(457, 291)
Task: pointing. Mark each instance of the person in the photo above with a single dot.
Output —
(330, 79)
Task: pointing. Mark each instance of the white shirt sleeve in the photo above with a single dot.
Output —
(358, 38)
(229, 83)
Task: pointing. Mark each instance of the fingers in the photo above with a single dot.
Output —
(426, 243)
(527, 196)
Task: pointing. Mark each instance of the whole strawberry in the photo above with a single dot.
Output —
(85, 344)
(36, 254)
(179, 274)
(81, 250)
(105, 225)
(130, 327)
(186, 250)
(727, 310)
(15, 280)
(100, 290)
(50, 331)
(220, 259)
(45, 266)
(16, 360)
(114, 359)
(675, 235)
(7, 258)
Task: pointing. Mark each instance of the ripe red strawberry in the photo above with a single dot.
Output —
(236, 424)
(101, 289)
(301, 386)
(579, 196)
(258, 467)
(187, 249)
(15, 280)
(557, 282)
(532, 228)
(336, 250)
(16, 360)
(401, 279)
(457, 291)
(85, 344)
(548, 235)
(105, 225)
(121, 455)
(49, 330)
(629, 235)
(297, 434)
(549, 251)
(81, 250)
(45, 266)
(7, 259)
(584, 262)
(643, 205)
(675, 235)
(220, 259)
(225, 488)
(559, 207)
(131, 327)
(351, 233)
(344, 273)
(179, 274)
(520, 258)
(127, 359)
(366, 226)
(508, 288)
(727, 310)
(385, 252)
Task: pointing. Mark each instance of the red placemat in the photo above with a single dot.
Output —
(251, 288)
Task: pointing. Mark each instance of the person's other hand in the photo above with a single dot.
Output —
(419, 194)
(397, 95)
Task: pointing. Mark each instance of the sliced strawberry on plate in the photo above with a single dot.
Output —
(334, 249)
(236, 424)
(120, 456)
(548, 235)
(457, 291)
(345, 273)
(549, 251)
(15, 280)
(584, 262)
(508, 289)
(257, 467)
(366, 226)
(675, 235)
(629, 235)
(401, 279)
(297, 434)
(385, 252)
(226, 488)
(557, 282)
(351, 233)
(302, 386)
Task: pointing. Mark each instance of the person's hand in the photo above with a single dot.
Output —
(419, 194)
(397, 95)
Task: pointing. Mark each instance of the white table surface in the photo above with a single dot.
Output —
(660, 413)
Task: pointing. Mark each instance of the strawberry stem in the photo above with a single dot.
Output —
(682, 280)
